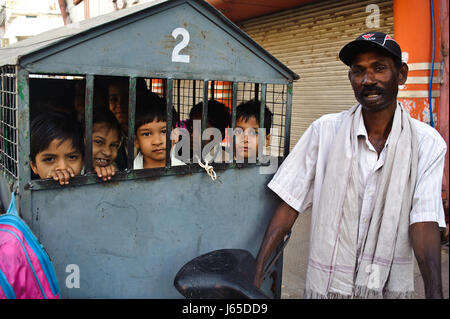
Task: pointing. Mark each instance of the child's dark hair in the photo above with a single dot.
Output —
(149, 107)
(50, 126)
(218, 114)
(252, 108)
(103, 115)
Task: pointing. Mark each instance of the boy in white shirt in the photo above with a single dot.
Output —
(150, 133)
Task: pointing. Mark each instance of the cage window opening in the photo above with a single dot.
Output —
(8, 123)
(183, 95)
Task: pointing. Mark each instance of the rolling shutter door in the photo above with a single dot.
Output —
(308, 40)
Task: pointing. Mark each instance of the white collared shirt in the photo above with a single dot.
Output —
(299, 179)
(139, 161)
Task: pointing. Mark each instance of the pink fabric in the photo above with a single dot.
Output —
(15, 266)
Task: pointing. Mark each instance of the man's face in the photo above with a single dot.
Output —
(375, 80)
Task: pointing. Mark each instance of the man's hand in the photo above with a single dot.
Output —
(426, 243)
(280, 224)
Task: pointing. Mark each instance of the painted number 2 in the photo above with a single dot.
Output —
(176, 56)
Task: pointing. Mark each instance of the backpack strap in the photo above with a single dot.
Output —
(12, 209)
(5, 191)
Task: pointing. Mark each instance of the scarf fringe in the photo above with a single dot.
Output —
(360, 292)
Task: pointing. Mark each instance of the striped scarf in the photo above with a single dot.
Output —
(384, 266)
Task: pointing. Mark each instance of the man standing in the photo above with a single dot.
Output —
(373, 176)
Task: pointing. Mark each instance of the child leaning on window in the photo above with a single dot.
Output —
(150, 132)
(56, 147)
(106, 142)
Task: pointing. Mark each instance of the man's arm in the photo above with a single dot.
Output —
(425, 237)
(280, 224)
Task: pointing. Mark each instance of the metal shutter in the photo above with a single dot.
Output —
(308, 39)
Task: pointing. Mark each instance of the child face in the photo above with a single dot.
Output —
(105, 144)
(118, 103)
(59, 156)
(246, 138)
(151, 140)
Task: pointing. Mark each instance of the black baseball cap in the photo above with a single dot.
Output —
(369, 40)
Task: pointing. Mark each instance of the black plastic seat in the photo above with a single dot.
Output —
(219, 274)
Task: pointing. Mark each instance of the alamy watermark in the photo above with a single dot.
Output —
(73, 279)
(250, 146)
(373, 19)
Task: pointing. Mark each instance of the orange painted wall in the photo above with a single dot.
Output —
(412, 28)
(413, 31)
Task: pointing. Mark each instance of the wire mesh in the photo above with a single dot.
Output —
(186, 94)
(8, 123)
(276, 98)
(248, 91)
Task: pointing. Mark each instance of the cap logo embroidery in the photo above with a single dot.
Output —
(369, 36)
(387, 37)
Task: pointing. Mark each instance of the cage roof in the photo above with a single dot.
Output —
(170, 39)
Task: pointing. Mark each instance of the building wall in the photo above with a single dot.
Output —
(25, 18)
(308, 39)
(89, 8)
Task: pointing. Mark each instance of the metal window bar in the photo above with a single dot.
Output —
(88, 119)
(131, 121)
(287, 133)
(8, 123)
(233, 113)
(164, 87)
(169, 122)
(194, 93)
(261, 119)
(178, 97)
(256, 91)
(212, 94)
(204, 113)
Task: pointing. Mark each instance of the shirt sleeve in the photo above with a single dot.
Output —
(293, 181)
(427, 199)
